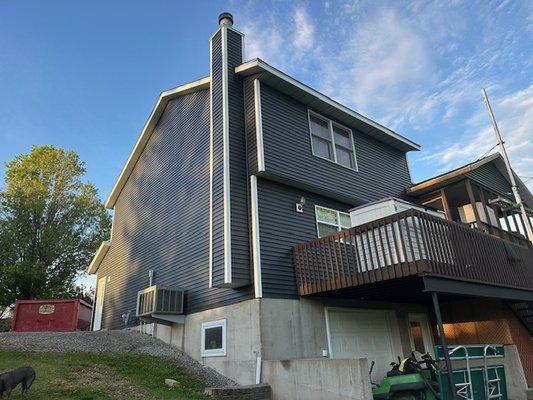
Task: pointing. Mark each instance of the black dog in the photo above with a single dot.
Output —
(10, 380)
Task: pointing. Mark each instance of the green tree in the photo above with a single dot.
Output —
(51, 223)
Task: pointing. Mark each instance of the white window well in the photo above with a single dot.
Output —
(330, 221)
(214, 338)
(332, 141)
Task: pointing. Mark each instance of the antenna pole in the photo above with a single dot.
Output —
(514, 186)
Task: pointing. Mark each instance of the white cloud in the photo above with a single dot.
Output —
(514, 114)
(416, 67)
(385, 60)
(304, 31)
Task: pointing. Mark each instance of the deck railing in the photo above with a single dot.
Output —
(406, 244)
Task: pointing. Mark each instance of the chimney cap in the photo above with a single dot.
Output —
(225, 19)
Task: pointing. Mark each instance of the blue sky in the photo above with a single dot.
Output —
(85, 75)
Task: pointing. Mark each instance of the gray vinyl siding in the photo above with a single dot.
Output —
(218, 161)
(383, 170)
(281, 227)
(489, 176)
(161, 217)
(240, 243)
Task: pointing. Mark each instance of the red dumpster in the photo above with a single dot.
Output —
(51, 316)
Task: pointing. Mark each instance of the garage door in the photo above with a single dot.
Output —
(364, 333)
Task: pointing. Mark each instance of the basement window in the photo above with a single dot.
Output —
(330, 221)
(214, 338)
(332, 141)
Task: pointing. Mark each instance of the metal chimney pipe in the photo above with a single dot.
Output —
(225, 19)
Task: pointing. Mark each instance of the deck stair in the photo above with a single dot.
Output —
(524, 311)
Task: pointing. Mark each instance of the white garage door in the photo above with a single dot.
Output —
(364, 333)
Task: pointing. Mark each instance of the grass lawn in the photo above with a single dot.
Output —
(86, 376)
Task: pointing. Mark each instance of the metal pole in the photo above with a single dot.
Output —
(443, 343)
(514, 186)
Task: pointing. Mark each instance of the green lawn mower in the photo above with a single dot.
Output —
(409, 379)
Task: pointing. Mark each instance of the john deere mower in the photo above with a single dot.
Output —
(409, 379)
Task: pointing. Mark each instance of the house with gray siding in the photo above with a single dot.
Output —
(252, 229)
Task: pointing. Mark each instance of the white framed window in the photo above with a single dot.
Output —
(330, 221)
(214, 338)
(332, 141)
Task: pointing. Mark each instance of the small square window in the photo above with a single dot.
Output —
(214, 338)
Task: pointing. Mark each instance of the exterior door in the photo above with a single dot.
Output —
(372, 334)
(420, 334)
(100, 293)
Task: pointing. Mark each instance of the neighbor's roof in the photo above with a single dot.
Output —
(457, 174)
(309, 96)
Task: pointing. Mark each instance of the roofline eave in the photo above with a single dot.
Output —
(257, 65)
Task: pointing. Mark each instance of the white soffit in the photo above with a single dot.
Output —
(98, 257)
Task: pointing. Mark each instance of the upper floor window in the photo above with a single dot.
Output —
(332, 141)
(330, 221)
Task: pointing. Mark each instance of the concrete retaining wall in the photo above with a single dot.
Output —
(318, 379)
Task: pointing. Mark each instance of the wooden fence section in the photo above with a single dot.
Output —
(411, 243)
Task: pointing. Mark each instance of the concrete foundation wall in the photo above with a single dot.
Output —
(273, 329)
(318, 379)
(243, 344)
(302, 325)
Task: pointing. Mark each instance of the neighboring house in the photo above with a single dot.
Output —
(238, 192)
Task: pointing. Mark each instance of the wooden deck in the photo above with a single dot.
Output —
(407, 244)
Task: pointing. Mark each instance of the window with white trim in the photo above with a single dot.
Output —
(332, 141)
(330, 221)
(214, 338)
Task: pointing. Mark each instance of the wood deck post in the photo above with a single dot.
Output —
(473, 203)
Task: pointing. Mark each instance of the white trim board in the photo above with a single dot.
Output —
(259, 126)
(258, 65)
(147, 131)
(256, 249)
(211, 141)
(226, 163)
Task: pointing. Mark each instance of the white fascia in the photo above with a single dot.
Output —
(146, 133)
(256, 256)
(259, 126)
(257, 65)
(98, 257)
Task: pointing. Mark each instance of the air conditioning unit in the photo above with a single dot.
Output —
(157, 300)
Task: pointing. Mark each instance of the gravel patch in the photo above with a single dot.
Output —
(118, 342)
